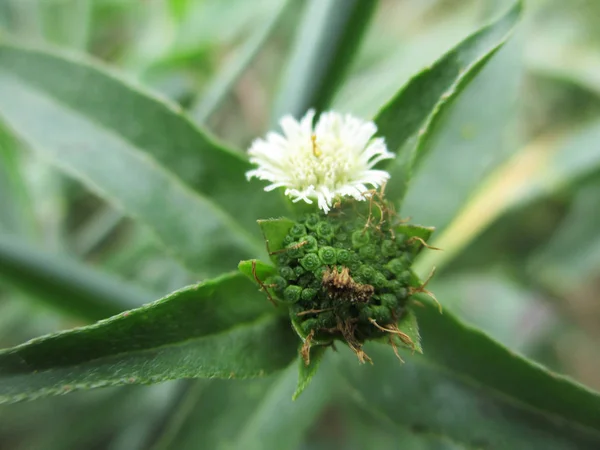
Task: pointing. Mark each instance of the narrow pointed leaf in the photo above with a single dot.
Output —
(136, 151)
(497, 406)
(16, 216)
(307, 372)
(224, 81)
(278, 423)
(274, 231)
(328, 39)
(65, 284)
(409, 325)
(411, 111)
(220, 328)
(254, 267)
(258, 272)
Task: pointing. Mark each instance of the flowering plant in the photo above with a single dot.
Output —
(300, 284)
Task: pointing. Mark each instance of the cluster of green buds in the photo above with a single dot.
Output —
(345, 275)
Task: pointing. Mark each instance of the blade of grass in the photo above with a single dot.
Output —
(220, 87)
(329, 36)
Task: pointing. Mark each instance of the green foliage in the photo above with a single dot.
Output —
(183, 335)
(159, 203)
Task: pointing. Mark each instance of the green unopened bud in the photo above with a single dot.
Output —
(312, 221)
(311, 245)
(389, 301)
(368, 251)
(388, 248)
(298, 231)
(288, 273)
(310, 262)
(308, 294)
(278, 282)
(309, 325)
(325, 231)
(343, 257)
(327, 255)
(360, 238)
(295, 250)
(291, 294)
(381, 314)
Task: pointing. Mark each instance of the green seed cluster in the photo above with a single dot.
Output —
(320, 252)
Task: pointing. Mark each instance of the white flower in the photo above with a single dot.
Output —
(333, 159)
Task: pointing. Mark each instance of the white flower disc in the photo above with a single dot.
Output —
(333, 159)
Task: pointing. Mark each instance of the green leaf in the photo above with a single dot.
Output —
(16, 216)
(427, 398)
(275, 231)
(409, 325)
(307, 372)
(258, 272)
(416, 232)
(66, 284)
(115, 138)
(256, 414)
(263, 270)
(471, 389)
(549, 164)
(220, 328)
(452, 373)
(278, 423)
(224, 81)
(416, 107)
(328, 39)
(572, 257)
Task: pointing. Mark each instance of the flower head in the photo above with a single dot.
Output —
(335, 158)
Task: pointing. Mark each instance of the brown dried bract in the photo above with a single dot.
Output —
(341, 286)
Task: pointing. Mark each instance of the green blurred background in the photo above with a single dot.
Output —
(521, 237)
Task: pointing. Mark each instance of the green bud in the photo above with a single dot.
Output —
(368, 251)
(343, 256)
(319, 273)
(291, 294)
(379, 280)
(305, 280)
(308, 294)
(388, 248)
(360, 238)
(367, 273)
(325, 231)
(341, 237)
(310, 262)
(283, 259)
(312, 221)
(312, 245)
(279, 282)
(308, 325)
(288, 273)
(401, 293)
(327, 255)
(298, 231)
(354, 263)
(396, 266)
(288, 240)
(389, 301)
(299, 270)
(294, 250)
(365, 314)
(404, 277)
(381, 314)
(326, 319)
